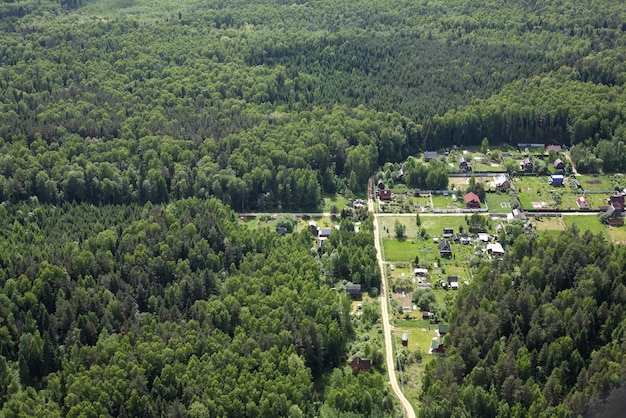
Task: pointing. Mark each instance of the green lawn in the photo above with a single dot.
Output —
(447, 202)
(395, 250)
(498, 202)
(420, 333)
(618, 233)
(338, 200)
(586, 223)
(595, 182)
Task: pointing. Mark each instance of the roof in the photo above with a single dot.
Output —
(483, 236)
(405, 336)
(558, 162)
(582, 201)
(556, 148)
(519, 214)
(429, 155)
(420, 271)
(471, 197)
(324, 232)
(557, 178)
(500, 180)
(444, 245)
(443, 328)
(495, 248)
(353, 287)
(453, 279)
(359, 363)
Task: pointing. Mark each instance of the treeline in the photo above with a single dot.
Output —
(286, 162)
(539, 333)
(177, 309)
(268, 106)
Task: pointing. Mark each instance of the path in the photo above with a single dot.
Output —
(406, 405)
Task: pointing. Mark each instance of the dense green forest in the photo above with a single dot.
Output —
(132, 130)
(169, 310)
(542, 334)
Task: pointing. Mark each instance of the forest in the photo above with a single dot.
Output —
(541, 334)
(132, 132)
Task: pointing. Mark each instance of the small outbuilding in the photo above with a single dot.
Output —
(354, 290)
(582, 202)
(559, 164)
(557, 180)
(430, 155)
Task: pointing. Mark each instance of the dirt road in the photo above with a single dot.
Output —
(406, 405)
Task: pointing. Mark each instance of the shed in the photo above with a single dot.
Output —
(442, 329)
(436, 346)
(464, 164)
(453, 282)
(383, 194)
(430, 155)
(557, 180)
(448, 232)
(354, 290)
(559, 164)
(526, 165)
(405, 339)
(582, 202)
(420, 272)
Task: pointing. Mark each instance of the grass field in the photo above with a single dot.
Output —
(498, 202)
(586, 223)
(395, 250)
(420, 333)
(550, 224)
(338, 200)
(618, 233)
(595, 182)
(447, 202)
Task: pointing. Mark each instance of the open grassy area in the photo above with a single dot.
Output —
(395, 250)
(586, 223)
(498, 202)
(595, 182)
(618, 234)
(545, 223)
(338, 200)
(448, 202)
(420, 333)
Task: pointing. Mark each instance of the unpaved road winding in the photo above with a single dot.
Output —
(406, 405)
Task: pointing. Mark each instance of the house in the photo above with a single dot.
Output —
(430, 155)
(359, 364)
(582, 202)
(556, 180)
(313, 228)
(358, 204)
(614, 215)
(405, 339)
(501, 183)
(354, 290)
(526, 165)
(436, 346)
(444, 248)
(400, 175)
(427, 315)
(417, 192)
(555, 148)
(420, 272)
(483, 236)
(617, 200)
(495, 249)
(518, 214)
(464, 165)
(472, 201)
(448, 232)
(383, 194)
(453, 282)
(559, 164)
(465, 239)
(281, 230)
(442, 329)
(380, 184)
